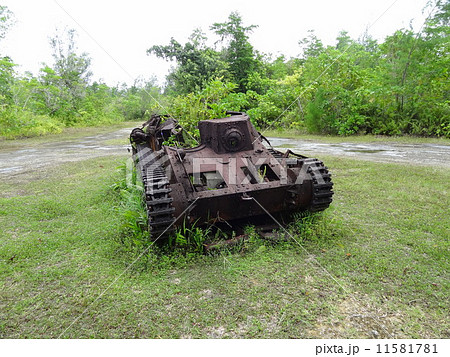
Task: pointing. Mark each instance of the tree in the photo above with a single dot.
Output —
(6, 79)
(6, 20)
(197, 64)
(438, 25)
(434, 82)
(344, 41)
(311, 46)
(72, 68)
(142, 98)
(6, 63)
(238, 52)
(65, 83)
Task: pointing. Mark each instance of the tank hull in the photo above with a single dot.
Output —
(230, 177)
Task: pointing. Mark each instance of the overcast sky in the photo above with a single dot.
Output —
(116, 34)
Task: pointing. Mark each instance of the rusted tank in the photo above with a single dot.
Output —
(232, 178)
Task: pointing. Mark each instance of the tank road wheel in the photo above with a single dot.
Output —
(321, 185)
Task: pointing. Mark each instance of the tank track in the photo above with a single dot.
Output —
(321, 180)
(156, 192)
(322, 185)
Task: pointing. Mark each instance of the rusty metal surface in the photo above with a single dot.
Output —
(231, 176)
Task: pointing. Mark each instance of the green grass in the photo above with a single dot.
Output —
(384, 240)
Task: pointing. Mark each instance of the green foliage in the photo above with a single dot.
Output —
(137, 101)
(400, 86)
(189, 239)
(6, 20)
(311, 46)
(6, 79)
(134, 233)
(238, 52)
(211, 102)
(197, 63)
(15, 123)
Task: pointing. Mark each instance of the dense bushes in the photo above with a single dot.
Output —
(15, 121)
(400, 86)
